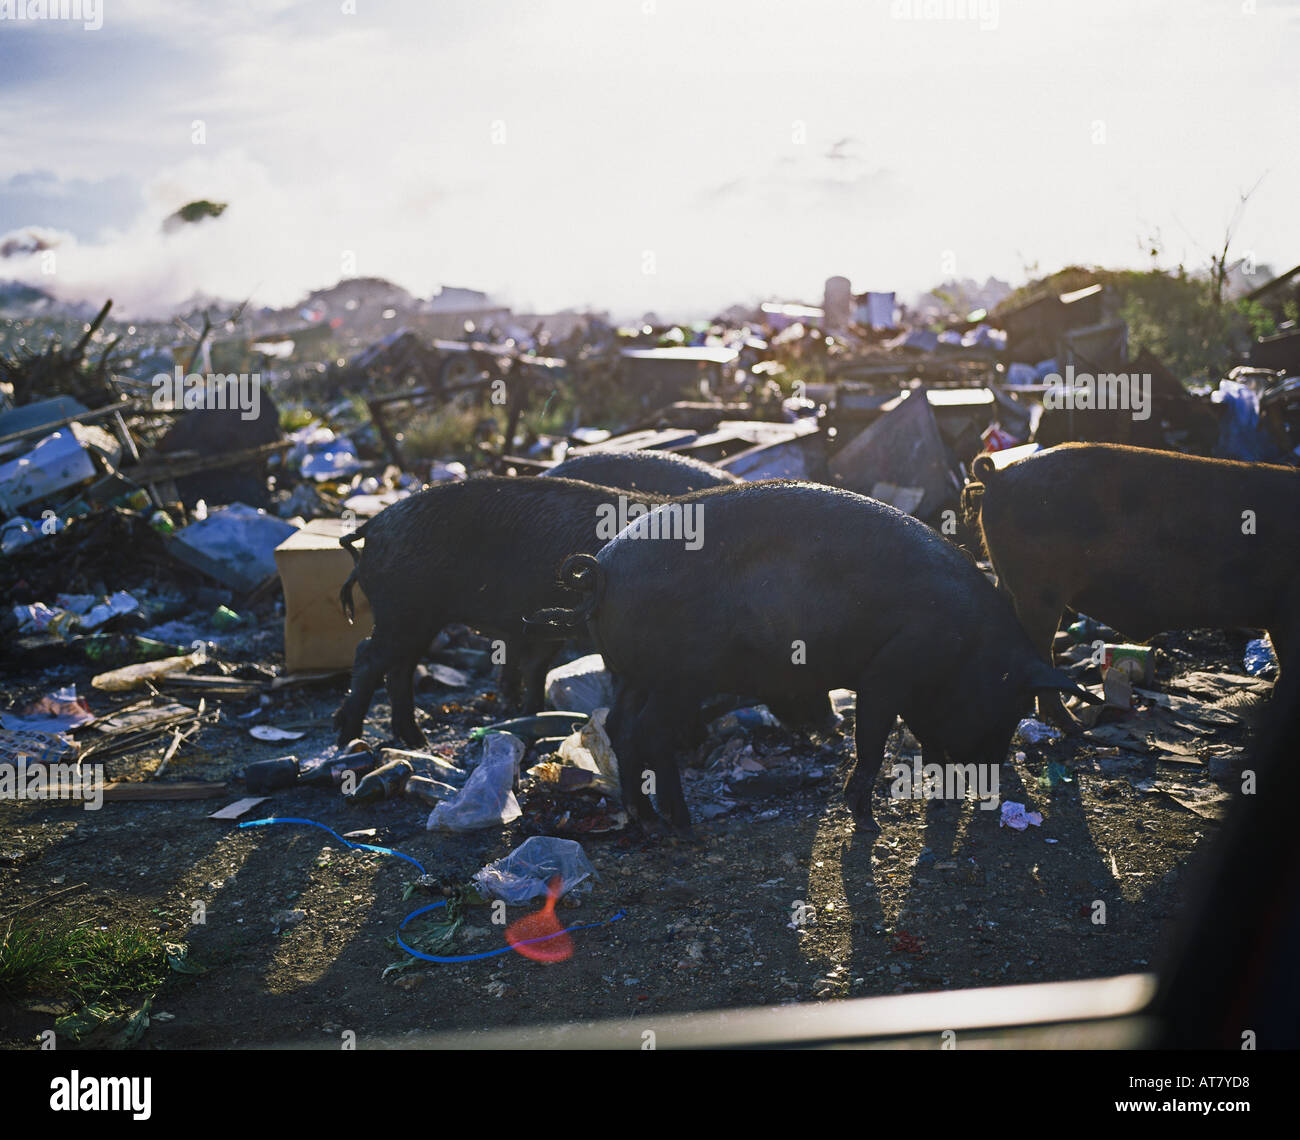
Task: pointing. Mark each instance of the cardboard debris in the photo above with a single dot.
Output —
(239, 807)
(313, 567)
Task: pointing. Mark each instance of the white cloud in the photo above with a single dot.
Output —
(669, 132)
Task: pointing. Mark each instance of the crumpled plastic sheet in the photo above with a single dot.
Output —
(1031, 731)
(488, 798)
(525, 872)
(1015, 816)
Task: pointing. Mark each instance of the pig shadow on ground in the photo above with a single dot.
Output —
(1006, 871)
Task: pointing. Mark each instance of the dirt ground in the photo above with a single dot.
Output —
(942, 898)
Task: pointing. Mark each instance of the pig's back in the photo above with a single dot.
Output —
(796, 582)
(1156, 539)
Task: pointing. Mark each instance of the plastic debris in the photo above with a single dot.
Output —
(523, 875)
(56, 462)
(428, 791)
(1260, 660)
(1055, 774)
(744, 720)
(590, 748)
(17, 533)
(431, 765)
(488, 797)
(321, 455)
(1015, 816)
(1031, 731)
(226, 619)
(271, 733)
(73, 612)
(583, 685)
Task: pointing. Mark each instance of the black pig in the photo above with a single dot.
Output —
(1145, 541)
(658, 472)
(482, 552)
(797, 588)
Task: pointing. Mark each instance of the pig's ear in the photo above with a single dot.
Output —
(1045, 676)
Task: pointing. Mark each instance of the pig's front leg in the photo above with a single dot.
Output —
(877, 711)
(1041, 619)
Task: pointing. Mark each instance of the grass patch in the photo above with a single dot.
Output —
(76, 959)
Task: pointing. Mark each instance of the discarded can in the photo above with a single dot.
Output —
(1134, 661)
(427, 791)
(137, 500)
(996, 438)
(271, 775)
(383, 783)
(162, 522)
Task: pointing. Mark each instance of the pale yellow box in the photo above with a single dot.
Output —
(313, 567)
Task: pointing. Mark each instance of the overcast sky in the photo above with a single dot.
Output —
(642, 155)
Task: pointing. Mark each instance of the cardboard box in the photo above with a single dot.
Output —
(313, 567)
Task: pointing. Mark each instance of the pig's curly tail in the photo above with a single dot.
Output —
(582, 574)
(345, 594)
(982, 471)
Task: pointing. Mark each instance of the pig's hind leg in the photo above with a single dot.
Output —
(401, 698)
(402, 664)
(621, 726)
(658, 729)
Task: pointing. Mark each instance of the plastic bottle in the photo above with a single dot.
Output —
(428, 791)
(435, 766)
